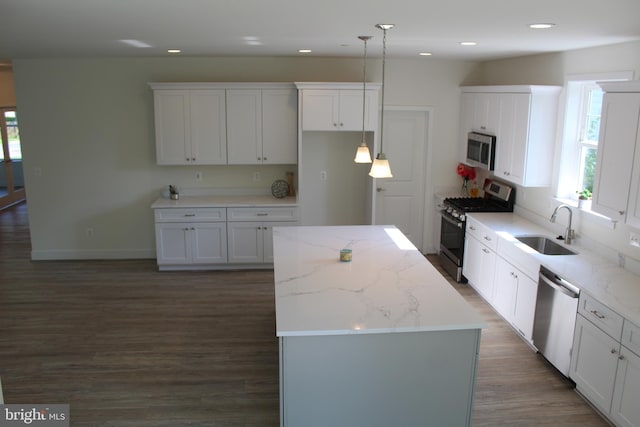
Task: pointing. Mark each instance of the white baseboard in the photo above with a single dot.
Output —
(67, 255)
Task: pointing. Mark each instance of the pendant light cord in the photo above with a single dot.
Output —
(384, 55)
(364, 85)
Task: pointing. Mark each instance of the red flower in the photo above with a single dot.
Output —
(466, 171)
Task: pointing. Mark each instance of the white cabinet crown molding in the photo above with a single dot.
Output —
(336, 85)
(218, 85)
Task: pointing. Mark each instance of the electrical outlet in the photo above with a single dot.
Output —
(256, 176)
(634, 239)
(89, 232)
(198, 176)
(323, 175)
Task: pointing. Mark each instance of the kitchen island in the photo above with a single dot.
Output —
(381, 340)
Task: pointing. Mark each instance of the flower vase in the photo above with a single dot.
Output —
(464, 190)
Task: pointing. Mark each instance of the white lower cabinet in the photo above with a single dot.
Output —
(252, 242)
(479, 267)
(606, 371)
(217, 237)
(514, 297)
(191, 243)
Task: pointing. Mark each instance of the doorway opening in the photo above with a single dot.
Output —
(11, 171)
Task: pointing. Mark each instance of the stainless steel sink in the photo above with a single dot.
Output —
(544, 245)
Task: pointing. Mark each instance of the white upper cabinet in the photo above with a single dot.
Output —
(262, 126)
(523, 119)
(225, 123)
(190, 126)
(616, 192)
(279, 126)
(338, 107)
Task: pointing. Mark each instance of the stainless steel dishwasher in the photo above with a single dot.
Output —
(555, 319)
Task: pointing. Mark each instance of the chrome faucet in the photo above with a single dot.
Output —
(569, 233)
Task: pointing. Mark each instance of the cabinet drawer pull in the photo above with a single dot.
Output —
(621, 212)
(262, 214)
(486, 251)
(613, 351)
(487, 238)
(190, 214)
(597, 314)
(471, 227)
(621, 357)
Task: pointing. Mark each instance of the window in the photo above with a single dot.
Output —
(580, 133)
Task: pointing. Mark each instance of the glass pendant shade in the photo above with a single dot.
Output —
(362, 154)
(380, 167)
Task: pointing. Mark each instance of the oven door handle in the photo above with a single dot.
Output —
(452, 221)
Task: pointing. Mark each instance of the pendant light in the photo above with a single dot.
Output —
(380, 167)
(362, 154)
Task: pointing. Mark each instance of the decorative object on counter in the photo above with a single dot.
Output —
(345, 255)
(173, 192)
(280, 188)
(467, 173)
(362, 154)
(292, 191)
(380, 167)
(583, 197)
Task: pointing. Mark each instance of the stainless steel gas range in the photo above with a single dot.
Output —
(498, 197)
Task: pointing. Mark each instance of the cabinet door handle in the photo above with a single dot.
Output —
(597, 314)
(471, 227)
(614, 351)
(190, 214)
(486, 251)
(262, 214)
(621, 357)
(487, 238)
(621, 212)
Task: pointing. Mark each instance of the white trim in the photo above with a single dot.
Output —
(90, 254)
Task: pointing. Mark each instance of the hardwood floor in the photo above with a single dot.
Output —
(125, 345)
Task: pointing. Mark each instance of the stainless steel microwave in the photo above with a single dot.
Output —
(481, 150)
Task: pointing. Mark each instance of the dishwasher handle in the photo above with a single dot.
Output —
(561, 285)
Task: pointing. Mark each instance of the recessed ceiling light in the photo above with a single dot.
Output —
(304, 50)
(425, 54)
(173, 51)
(468, 43)
(541, 26)
(252, 40)
(135, 43)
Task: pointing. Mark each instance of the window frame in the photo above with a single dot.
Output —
(572, 136)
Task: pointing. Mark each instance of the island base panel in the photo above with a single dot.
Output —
(413, 378)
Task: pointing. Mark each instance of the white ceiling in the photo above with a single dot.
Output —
(81, 28)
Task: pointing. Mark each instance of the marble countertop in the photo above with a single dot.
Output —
(388, 286)
(225, 201)
(617, 288)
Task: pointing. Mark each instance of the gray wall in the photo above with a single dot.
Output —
(87, 125)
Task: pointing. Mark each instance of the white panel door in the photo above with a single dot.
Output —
(625, 409)
(245, 242)
(400, 200)
(279, 126)
(173, 245)
(209, 242)
(244, 126)
(172, 126)
(616, 145)
(208, 127)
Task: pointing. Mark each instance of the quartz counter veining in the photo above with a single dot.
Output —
(615, 287)
(389, 286)
(382, 340)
